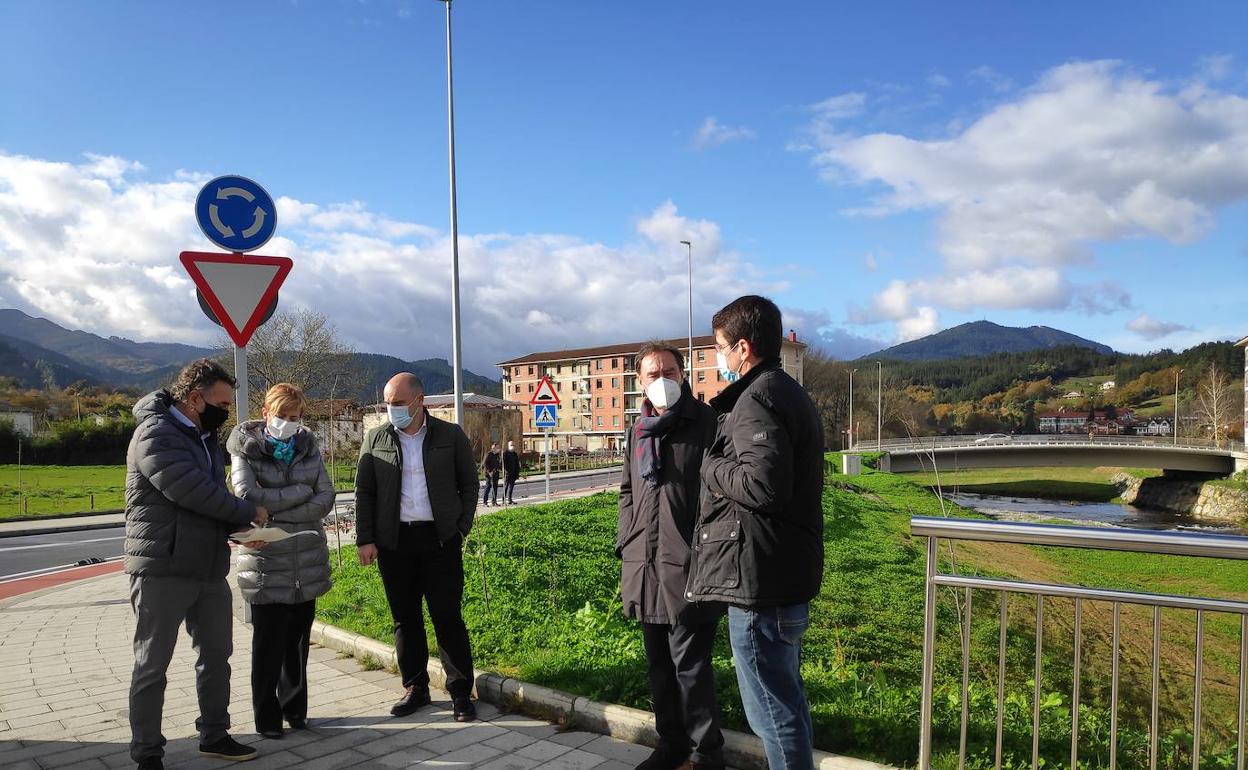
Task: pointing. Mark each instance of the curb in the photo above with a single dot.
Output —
(741, 750)
(54, 530)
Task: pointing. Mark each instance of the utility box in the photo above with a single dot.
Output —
(851, 465)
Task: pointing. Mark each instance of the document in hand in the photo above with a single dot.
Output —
(265, 535)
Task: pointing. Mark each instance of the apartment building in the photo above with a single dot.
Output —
(598, 390)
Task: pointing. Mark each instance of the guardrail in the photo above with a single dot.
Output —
(1115, 539)
(926, 443)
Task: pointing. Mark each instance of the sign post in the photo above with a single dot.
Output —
(545, 416)
(236, 291)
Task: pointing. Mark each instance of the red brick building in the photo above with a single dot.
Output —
(598, 389)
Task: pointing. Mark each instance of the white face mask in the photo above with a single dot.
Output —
(282, 429)
(721, 361)
(663, 393)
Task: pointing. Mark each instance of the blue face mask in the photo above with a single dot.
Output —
(399, 416)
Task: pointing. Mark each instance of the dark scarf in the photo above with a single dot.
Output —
(648, 432)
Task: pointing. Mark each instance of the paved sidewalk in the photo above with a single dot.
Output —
(65, 665)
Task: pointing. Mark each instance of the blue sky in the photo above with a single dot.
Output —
(882, 170)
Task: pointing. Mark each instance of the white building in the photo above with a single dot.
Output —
(22, 419)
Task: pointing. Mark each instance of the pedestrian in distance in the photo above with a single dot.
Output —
(758, 544)
(415, 498)
(276, 462)
(493, 464)
(179, 516)
(659, 494)
(511, 472)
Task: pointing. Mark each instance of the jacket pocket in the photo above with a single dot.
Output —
(719, 555)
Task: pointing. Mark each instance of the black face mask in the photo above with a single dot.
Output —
(213, 417)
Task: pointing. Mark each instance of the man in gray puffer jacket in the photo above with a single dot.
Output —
(179, 514)
(277, 462)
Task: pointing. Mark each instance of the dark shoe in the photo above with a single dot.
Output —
(228, 748)
(274, 734)
(151, 763)
(664, 759)
(298, 724)
(414, 699)
(465, 710)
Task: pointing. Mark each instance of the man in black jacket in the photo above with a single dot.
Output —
(492, 465)
(179, 515)
(759, 540)
(415, 499)
(658, 507)
(511, 473)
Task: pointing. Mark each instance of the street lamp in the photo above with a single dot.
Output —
(1176, 406)
(851, 408)
(879, 405)
(456, 353)
(689, 247)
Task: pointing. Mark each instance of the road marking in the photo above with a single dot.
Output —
(51, 570)
(61, 545)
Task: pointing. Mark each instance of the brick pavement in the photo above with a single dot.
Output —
(65, 665)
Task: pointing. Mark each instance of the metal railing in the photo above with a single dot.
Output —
(1099, 538)
(927, 443)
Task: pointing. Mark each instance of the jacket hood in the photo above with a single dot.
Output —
(154, 404)
(249, 440)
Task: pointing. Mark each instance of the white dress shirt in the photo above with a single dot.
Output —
(414, 502)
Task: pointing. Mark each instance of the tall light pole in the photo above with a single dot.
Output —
(851, 408)
(689, 246)
(879, 405)
(1176, 406)
(456, 348)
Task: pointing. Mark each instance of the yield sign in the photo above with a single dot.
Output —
(238, 289)
(545, 394)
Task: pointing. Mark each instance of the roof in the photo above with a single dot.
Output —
(1242, 343)
(11, 408)
(621, 349)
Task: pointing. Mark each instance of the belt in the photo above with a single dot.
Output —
(416, 524)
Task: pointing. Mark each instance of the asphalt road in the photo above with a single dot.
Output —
(32, 554)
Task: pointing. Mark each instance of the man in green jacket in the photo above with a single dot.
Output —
(415, 498)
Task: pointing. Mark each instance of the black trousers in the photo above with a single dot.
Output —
(509, 488)
(423, 569)
(491, 485)
(279, 662)
(682, 684)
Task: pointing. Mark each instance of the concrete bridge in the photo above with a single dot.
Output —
(946, 453)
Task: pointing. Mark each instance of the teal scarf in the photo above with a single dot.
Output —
(284, 451)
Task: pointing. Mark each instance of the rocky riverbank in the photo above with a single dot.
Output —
(1189, 497)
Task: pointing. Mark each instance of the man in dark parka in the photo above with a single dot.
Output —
(658, 509)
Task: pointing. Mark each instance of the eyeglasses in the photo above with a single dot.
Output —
(721, 349)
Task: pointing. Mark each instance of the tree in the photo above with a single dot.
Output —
(300, 347)
(827, 382)
(1215, 406)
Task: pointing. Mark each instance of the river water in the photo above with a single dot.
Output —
(1026, 509)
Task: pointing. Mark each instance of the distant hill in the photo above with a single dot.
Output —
(31, 348)
(982, 338)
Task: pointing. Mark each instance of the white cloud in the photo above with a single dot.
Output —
(94, 245)
(925, 321)
(938, 80)
(870, 262)
(712, 134)
(1092, 152)
(993, 79)
(1153, 329)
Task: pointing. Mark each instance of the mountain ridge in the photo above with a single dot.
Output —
(981, 338)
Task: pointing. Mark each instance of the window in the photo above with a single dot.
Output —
(701, 356)
(574, 422)
(615, 363)
(701, 396)
(559, 386)
(599, 402)
(615, 421)
(615, 382)
(599, 385)
(615, 402)
(530, 371)
(530, 387)
(598, 364)
(719, 376)
(599, 422)
(559, 369)
(701, 376)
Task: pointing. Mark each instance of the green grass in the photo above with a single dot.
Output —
(1084, 484)
(552, 616)
(53, 489)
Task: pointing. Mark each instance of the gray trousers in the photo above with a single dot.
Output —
(161, 605)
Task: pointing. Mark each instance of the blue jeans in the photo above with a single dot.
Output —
(766, 647)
